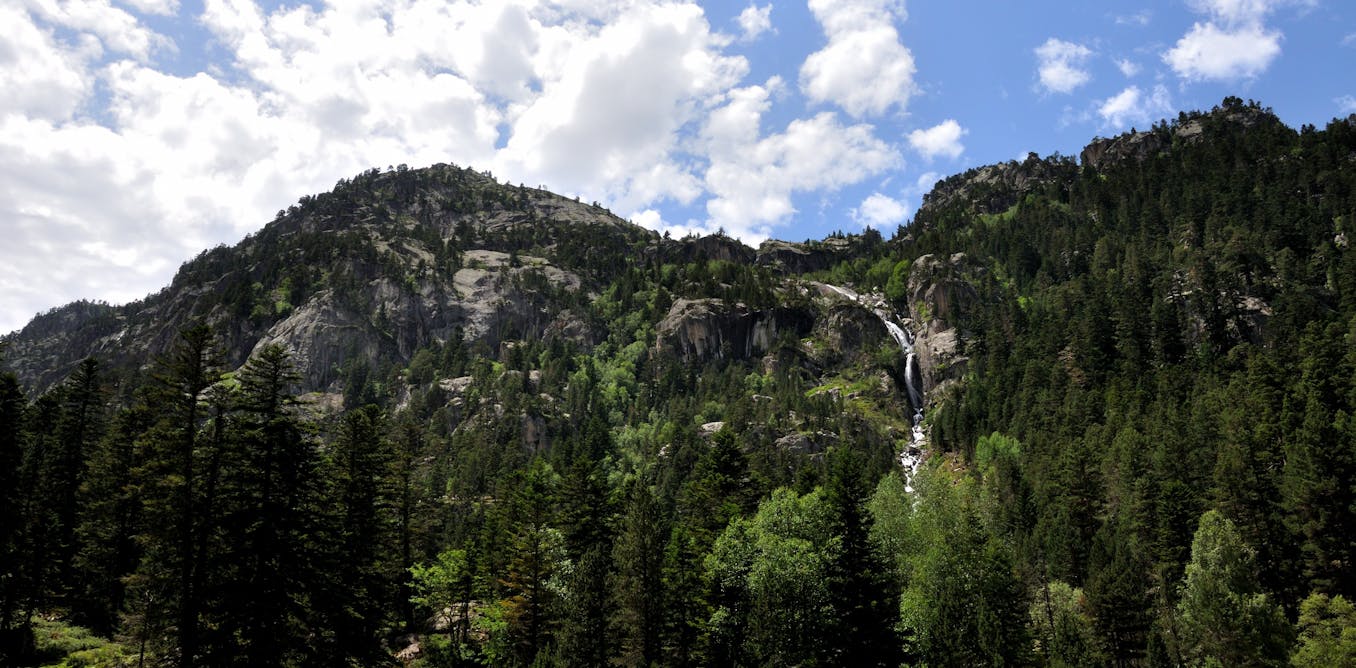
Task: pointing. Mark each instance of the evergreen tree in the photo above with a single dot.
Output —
(358, 597)
(271, 524)
(863, 593)
(536, 550)
(15, 634)
(1327, 633)
(1224, 617)
(79, 427)
(166, 598)
(110, 520)
(640, 556)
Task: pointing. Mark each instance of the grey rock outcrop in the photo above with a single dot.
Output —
(797, 258)
(701, 329)
(996, 188)
(939, 295)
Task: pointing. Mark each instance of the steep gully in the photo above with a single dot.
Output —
(912, 456)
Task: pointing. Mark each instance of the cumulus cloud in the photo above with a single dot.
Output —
(1060, 65)
(1134, 106)
(1347, 104)
(880, 211)
(113, 169)
(940, 139)
(1233, 43)
(755, 20)
(1128, 68)
(864, 68)
(753, 177)
(1208, 51)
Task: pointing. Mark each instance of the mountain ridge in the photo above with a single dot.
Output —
(425, 209)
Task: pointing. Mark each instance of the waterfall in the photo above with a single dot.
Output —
(912, 456)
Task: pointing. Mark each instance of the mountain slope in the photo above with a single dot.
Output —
(546, 434)
(383, 264)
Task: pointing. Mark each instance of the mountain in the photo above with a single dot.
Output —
(384, 263)
(1079, 412)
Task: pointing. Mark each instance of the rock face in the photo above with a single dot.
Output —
(703, 249)
(847, 330)
(1103, 153)
(797, 258)
(939, 295)
(1131, 146)
(703, 329)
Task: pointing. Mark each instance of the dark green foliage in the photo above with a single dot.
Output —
(863, 595)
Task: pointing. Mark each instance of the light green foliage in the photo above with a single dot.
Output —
(772, 572)
(1062, 625)
(993, 447)
(897, 287)
(892, 531)
(1224, 617)
(438, 584)
(63, 645)
(1327, 633)
(962, 603)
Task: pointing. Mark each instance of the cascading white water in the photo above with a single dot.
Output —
(912, 456)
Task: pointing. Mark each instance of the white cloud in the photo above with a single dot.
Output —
(161, 7)
(940, 139)
(40, 78)
(1232, 44)
(1060, 65)
(117, 30)
(1347, 104)
(752, 177)
(1128, 68)
(755, 20)
(864, 68)
(1141, 18)
(1349, 40)
(1134, 106)
(632, 104)
(1210, 52)
(880, 211)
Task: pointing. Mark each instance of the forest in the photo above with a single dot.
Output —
(1146, 457)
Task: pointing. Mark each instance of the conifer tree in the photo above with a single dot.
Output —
(863, 593)
(640, 592)
(15, 636)
(1224, 617)
(166, 598)
(271, 526)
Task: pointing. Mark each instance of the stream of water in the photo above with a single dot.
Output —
(912, 456)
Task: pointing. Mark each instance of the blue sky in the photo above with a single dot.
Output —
(135, 133)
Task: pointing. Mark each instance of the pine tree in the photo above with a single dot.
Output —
(864, 596)
(79, 426)
(640, 592)
(15, 635)
(110, 520)
(357, 599)
(1224, 617)
(1120, 605)
(271, 526)
(536, 550)
(165, 598)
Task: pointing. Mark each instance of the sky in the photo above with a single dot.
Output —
(136, 133)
